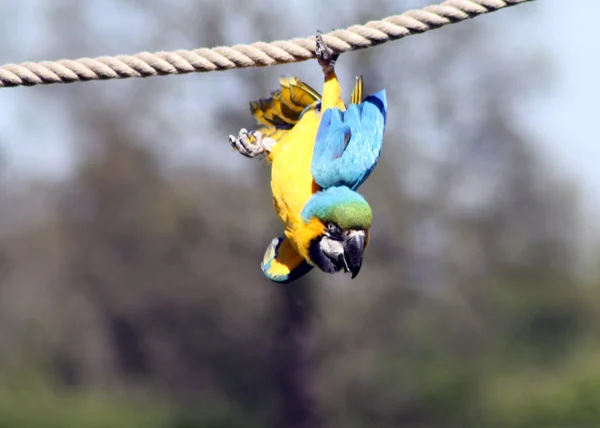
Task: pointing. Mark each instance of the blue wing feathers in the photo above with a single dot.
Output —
(379, 101)
(334, 136)
(348, 144)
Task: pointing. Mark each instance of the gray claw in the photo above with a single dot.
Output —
(248, 148)
(324, 55)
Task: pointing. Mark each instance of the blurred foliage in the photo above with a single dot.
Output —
(131, 293)
(30, 401)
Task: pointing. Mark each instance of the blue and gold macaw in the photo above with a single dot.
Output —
(320, 153)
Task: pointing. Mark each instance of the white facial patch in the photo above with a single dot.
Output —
(331, 247)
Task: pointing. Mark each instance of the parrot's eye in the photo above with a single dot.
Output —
(334, 230)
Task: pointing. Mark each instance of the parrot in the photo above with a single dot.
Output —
(320, 151)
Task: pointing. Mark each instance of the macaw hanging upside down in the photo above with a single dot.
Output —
(320, 153)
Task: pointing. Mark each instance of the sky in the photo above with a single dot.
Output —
(564, 119)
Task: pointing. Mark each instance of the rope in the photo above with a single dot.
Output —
(259, 54)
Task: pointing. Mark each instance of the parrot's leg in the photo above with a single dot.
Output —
(325, 56)
(332, 91)
(243, 143)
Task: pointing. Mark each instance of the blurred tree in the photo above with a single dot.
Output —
(143, 256)
(294, 357)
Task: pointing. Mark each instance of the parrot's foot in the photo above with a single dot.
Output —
(325, 56)
(251, 144)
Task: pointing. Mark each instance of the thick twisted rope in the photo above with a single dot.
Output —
(257, 54)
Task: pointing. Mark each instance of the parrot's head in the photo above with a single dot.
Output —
(346, 218)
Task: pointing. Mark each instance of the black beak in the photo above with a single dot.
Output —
(353, 253)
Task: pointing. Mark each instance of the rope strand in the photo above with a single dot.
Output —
(259, 54)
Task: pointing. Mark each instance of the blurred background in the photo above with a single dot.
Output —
(131, 235)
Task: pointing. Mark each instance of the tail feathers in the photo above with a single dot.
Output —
(282, 263)
(285, 106)
(357, 92)
(298, 94)
(280, 112)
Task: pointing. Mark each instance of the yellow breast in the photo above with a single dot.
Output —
(291, 178)
(292, 182)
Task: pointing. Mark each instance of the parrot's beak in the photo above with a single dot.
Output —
(339, 254)
(354, 248)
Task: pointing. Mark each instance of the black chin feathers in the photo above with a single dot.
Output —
(319, 258)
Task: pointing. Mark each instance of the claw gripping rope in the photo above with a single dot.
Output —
(259, 54)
